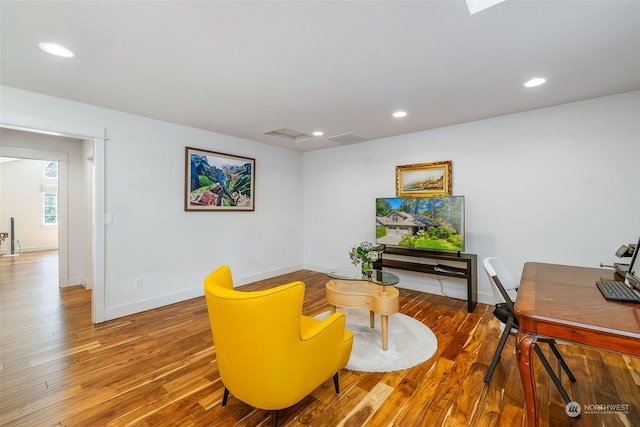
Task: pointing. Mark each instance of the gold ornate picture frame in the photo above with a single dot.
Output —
(424, 179)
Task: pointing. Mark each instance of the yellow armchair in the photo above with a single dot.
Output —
(269, 355)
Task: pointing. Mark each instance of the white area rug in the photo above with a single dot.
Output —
(410, 342)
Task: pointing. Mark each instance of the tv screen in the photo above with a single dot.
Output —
(435, 223)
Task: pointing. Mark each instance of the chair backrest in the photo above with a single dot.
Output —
(504, 286)
(259, 348)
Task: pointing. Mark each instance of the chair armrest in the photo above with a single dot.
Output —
(323, 342)
(311, 327)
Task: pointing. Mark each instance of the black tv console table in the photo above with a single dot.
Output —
(469, 272)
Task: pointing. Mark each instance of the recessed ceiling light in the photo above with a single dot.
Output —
(318, 133)
(399, 114)
(535, 82)
(56, 50)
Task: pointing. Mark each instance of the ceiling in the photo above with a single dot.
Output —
(247, 68)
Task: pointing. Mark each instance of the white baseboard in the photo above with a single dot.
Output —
(17, 249)
(75, 281)
(98, 314)
(450, 288)
(454, 288)
(139, 306)
(186, 294)
(421, 282)
(238, 281)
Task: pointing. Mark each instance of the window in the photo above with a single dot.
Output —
(50, 194)
(51, 170)
(50, 211)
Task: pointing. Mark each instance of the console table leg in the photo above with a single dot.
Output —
(372, 319)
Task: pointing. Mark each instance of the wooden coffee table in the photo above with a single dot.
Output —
(349, 288)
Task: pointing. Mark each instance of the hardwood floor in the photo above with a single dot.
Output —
(158, 368)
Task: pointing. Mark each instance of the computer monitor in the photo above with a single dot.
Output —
(633, 273)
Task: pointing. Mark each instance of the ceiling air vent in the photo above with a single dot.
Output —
(292, 135)
(347, 138)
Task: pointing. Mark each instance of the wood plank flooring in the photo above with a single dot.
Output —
(158, 368)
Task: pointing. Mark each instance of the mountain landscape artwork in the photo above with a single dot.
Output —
(217, 181)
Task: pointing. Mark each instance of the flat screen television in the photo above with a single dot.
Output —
(434, 223)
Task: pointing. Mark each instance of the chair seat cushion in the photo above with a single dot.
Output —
(502, 312)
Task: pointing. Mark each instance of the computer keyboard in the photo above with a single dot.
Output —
(617, 291)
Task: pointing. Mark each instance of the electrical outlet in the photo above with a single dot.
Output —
(137, 282)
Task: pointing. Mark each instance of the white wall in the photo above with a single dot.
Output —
(552, 185)
(151, 236)
(557, 185)
(21, 198)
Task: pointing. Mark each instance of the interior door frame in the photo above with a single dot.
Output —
(45, 125)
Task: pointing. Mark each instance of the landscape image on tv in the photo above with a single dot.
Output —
(426, 222)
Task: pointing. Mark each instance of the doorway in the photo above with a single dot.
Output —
(91, 139)
(40, 149)
(29, 204)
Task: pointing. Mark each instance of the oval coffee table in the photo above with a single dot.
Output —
(348, 287)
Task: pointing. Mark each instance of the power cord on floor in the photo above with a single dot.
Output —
(439, 279)
(442, 288)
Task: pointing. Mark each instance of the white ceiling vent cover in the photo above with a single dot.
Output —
(347, 138)
(292, 135)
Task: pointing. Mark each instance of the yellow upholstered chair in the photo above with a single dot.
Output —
(269, 355)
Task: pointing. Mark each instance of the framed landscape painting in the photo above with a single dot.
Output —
(218, 181)
(424, 179)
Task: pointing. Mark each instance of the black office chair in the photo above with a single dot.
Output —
(504, 288)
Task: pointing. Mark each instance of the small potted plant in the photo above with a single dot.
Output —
(366, 254)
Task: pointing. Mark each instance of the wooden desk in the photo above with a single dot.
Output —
(563, 302)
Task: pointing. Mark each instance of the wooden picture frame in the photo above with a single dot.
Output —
(424, 179)
(218, 181)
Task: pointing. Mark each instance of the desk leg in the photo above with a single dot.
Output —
(385, 331)
(332, 308)
(372, 319)
(524, 351)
